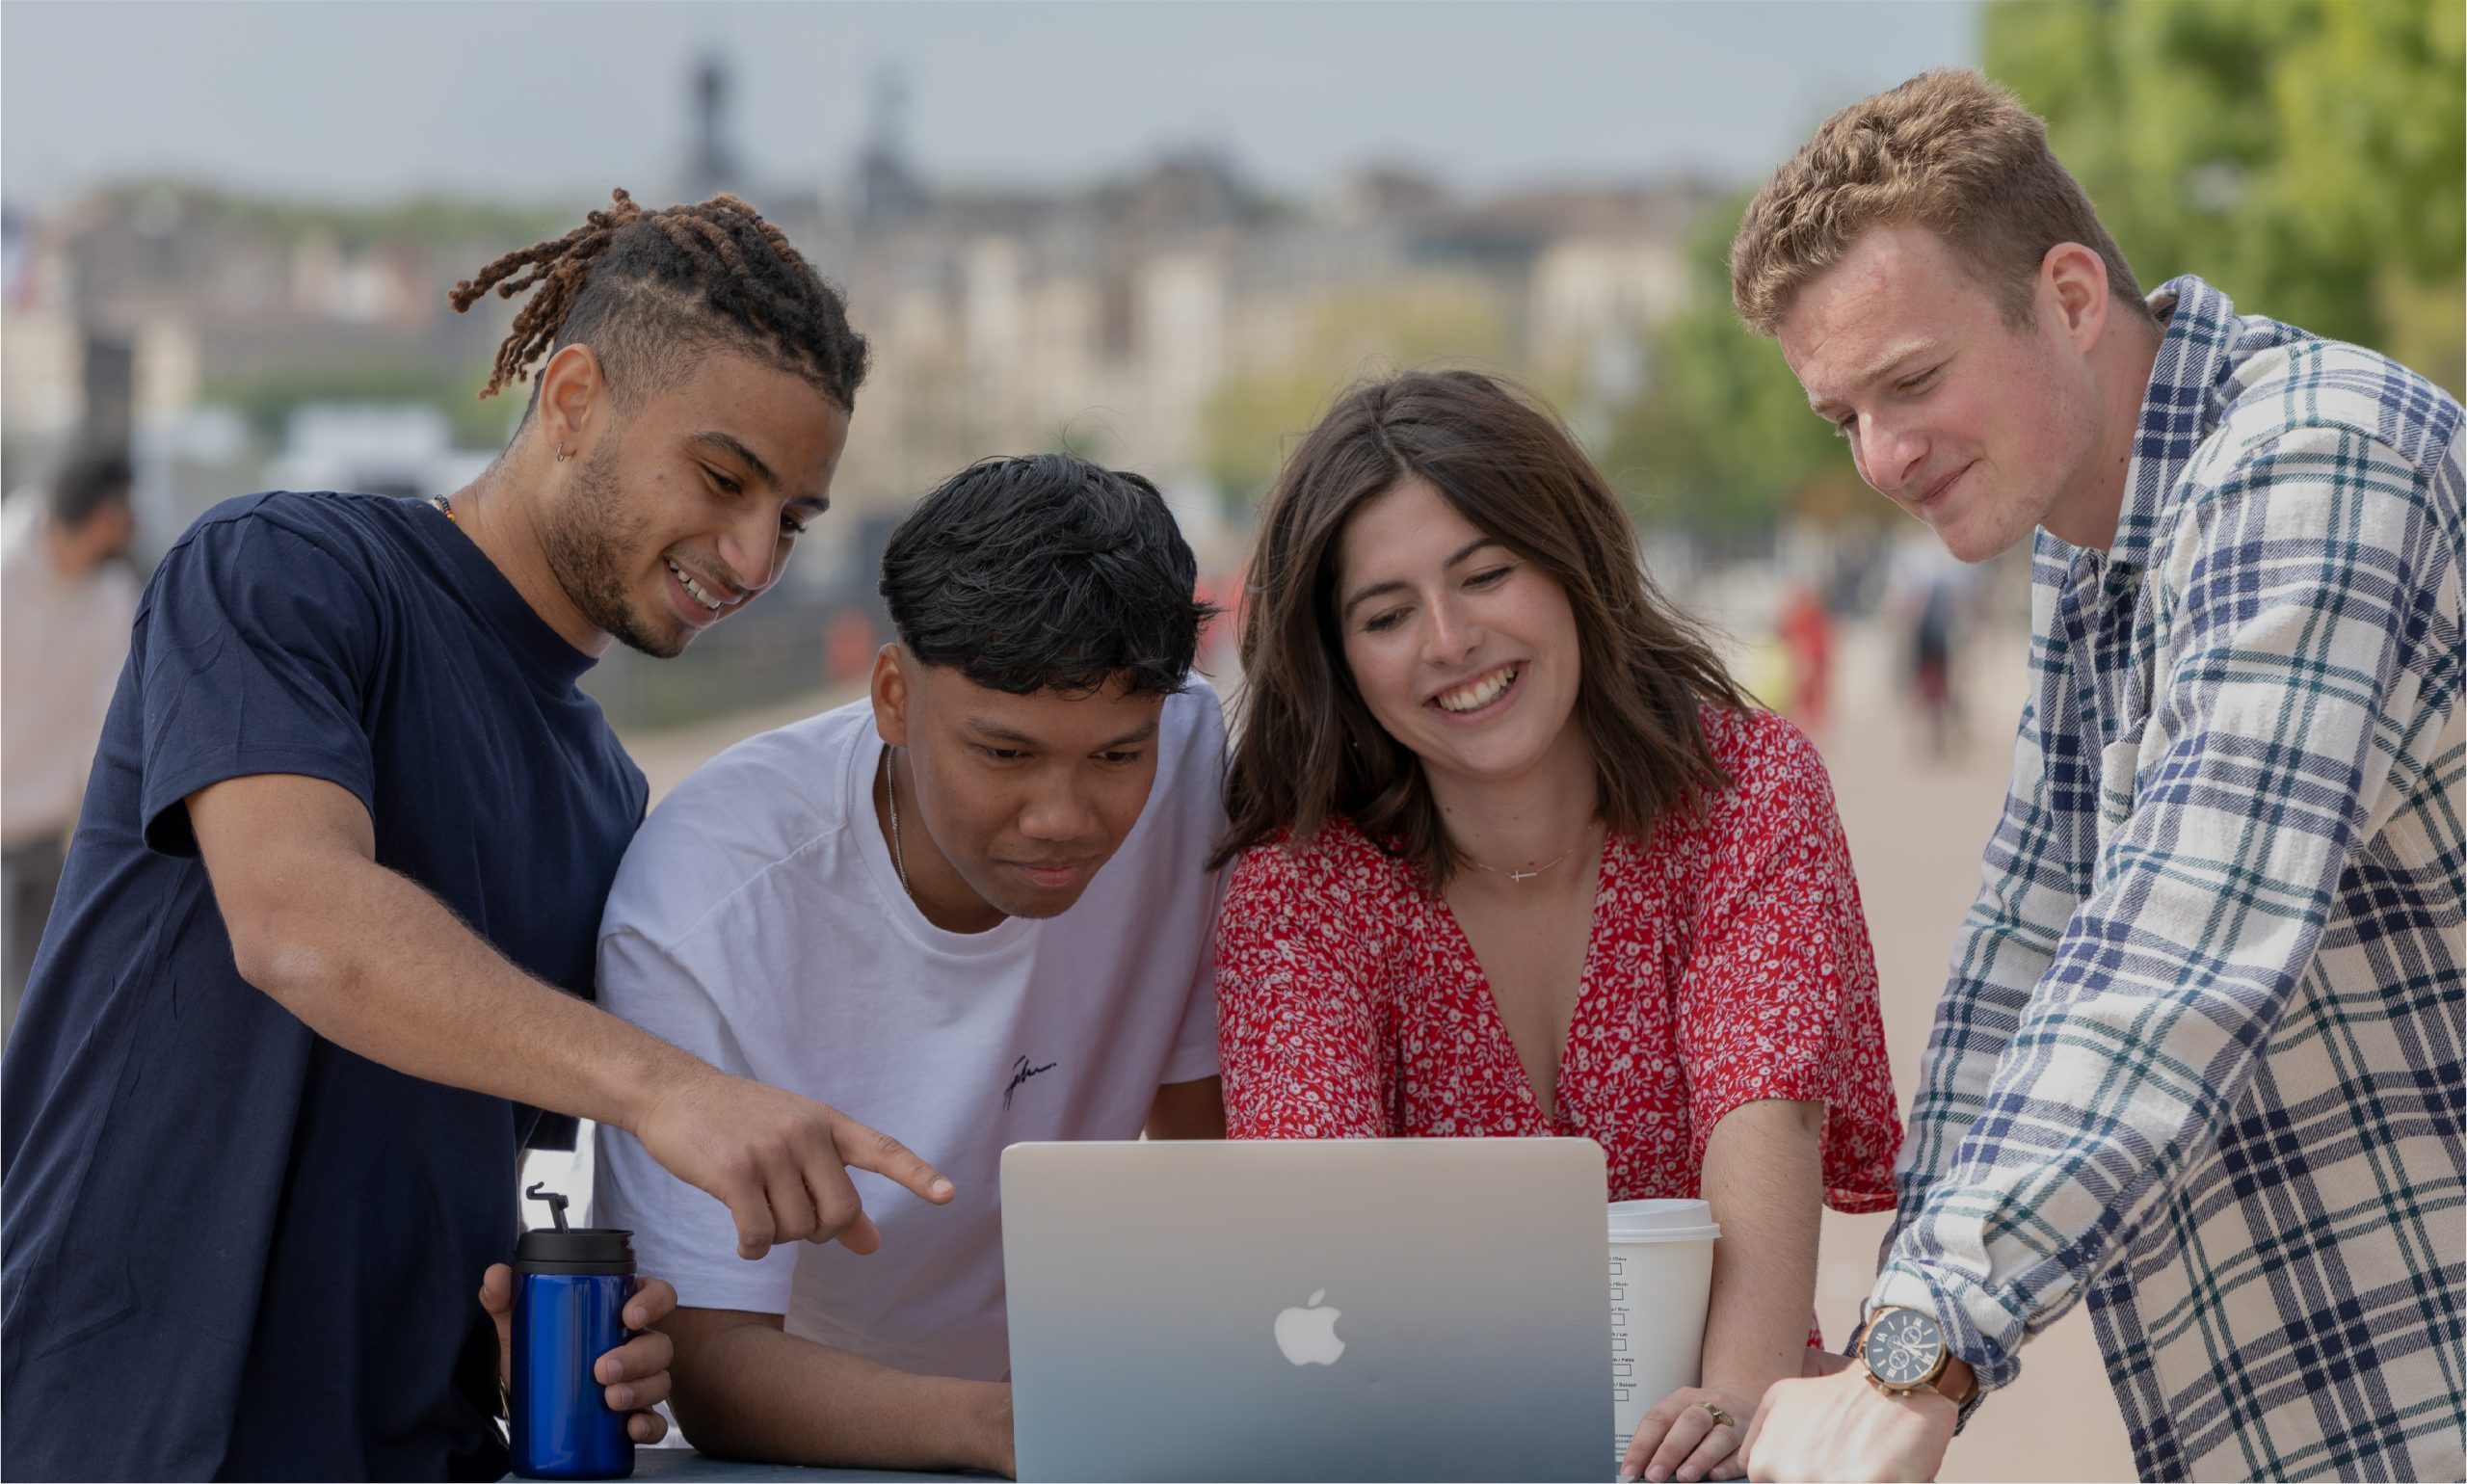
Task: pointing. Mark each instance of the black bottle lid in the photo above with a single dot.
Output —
(585, 1250)
(582, 1250)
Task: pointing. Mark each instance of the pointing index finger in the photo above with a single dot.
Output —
(871, 1149)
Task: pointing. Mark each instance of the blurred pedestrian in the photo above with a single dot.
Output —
(1806, 631)
(1930, 592)
(848, 645)
(2198, 1062)
(66, 599)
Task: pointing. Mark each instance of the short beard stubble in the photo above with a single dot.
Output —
(592, 539)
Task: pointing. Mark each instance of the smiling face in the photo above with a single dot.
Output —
(1977, 428)
(1021, 799)
(686, 506)
(1465, 652)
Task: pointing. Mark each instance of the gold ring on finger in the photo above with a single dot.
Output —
(1719, 1417)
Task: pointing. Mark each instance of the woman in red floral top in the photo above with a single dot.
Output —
(1515, 856)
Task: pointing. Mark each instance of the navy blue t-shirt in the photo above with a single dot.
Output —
(232, 1248)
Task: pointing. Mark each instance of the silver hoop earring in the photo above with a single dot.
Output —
(561, 453)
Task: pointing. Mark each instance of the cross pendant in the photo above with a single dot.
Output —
(1523, 875)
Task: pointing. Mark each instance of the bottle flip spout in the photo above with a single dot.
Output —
(556, 1200)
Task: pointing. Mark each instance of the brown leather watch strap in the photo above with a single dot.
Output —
(1945, 1374)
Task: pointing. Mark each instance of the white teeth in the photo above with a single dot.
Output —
(1477, 694)
(694, 587)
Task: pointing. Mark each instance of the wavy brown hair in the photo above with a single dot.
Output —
(1310, 750)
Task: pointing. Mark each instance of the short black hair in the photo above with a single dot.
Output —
(1047, 572)
(92, 478)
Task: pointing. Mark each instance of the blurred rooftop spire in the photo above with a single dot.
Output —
(711, 161)
(886, 184)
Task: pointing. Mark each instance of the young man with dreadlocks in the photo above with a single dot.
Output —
(320, 963)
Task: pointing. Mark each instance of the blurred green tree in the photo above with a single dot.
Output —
(2304, 155)
(1255, 416)
(2307, 156)
(1720, 442)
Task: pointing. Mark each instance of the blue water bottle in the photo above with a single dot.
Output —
(570, 1293)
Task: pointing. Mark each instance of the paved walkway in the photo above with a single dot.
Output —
(1917, 826)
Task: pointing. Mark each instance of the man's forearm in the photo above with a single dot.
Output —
(1762, 1175)
(750, 1391)
(369, 960)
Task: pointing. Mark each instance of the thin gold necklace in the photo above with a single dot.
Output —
(890, 791)
(1524, 876)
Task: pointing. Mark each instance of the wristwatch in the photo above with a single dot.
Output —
(1902, 1349)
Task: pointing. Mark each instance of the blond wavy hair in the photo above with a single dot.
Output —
(1949, 151)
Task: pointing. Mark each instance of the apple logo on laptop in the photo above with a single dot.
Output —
(1307, 1337)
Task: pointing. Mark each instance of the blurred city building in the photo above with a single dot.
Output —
(1177, 321)
(1108, 318)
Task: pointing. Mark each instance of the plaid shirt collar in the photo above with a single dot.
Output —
(2178, 411)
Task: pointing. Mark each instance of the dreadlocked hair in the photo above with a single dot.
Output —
(652, 291)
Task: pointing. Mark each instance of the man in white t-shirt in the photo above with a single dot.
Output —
(66, 601)
(971, 910)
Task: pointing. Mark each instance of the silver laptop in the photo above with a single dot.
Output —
(1344, 1309)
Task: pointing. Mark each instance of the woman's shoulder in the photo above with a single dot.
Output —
(1778, 787)
(1338, 861)
(1773, 767)
(1758, 742)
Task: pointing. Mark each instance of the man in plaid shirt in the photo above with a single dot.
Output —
(2199, 1059)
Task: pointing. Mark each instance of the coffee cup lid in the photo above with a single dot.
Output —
(1662, 1221)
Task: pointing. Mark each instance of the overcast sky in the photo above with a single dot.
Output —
(373, 100)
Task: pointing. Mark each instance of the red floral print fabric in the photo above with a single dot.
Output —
(1728, 962)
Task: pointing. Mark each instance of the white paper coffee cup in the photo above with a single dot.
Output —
(1661, 1279)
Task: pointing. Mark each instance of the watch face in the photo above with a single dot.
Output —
(1903, 1347)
